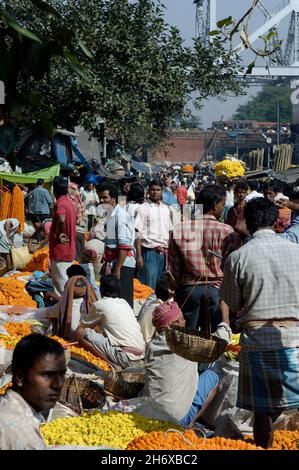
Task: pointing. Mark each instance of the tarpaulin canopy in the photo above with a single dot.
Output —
(47, 174)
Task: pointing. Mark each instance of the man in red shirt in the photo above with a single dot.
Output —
(182, 194)
(62, 235)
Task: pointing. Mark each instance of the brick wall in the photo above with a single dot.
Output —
(185, 146)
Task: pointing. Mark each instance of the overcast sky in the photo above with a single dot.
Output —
(182, 14)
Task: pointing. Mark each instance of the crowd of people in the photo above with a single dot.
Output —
(203, 247)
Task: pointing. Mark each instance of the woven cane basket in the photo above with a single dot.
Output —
(124, 384)
(192, 345)
(79, 393)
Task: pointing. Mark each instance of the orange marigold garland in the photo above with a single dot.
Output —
(17, 207)
(39, 261)
(186, 441)
(141, 291)
(5, 388)
(18, 328)
(12, 293)
(5, 206)
(86, 355)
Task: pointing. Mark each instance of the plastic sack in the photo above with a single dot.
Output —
(144, 406)
(5, 357)
(20, 257)
(23, 314)
(222, 413)
(288, 421)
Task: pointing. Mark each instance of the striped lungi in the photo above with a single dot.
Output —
(269, 380)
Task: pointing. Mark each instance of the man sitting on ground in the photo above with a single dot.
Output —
(38, 370)
(120, 340)
(171, 380)
(165, 289)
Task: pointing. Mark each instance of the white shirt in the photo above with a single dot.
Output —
(90, 200)
(153, 222)
(253, 195)
(118, 320)
(230, 198)
(19, 424)
(170, 380)
(145, 317)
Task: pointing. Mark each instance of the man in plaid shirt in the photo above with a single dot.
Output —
(197, 271)
(260, 285)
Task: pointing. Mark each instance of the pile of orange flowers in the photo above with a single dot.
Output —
(141, 291)
(186, 441)
(286, 440)
(17, 207)
(5, 206)
(39, 261)
(86, 355)
(12, 293)
(18, 328)
(6, 387)
(187, 169)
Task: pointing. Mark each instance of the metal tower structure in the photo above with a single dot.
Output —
(206, 14)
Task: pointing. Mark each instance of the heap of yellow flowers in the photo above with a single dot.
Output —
(230, 168)
(9, 341)
(113, 429)
(233, 349)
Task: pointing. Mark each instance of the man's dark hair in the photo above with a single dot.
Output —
(156, 182)
(113, 191)
(60, 186)
(254, 185)
(294, 196)
(183, 183)
(260, 213)
(241, 186)
(136, 193)
(164, 284)
(210, 195)
(275, 187)
(110, 286)
(40, 181)
(28, 350)
(75, 270)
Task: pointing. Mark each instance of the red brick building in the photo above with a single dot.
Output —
(181, 146)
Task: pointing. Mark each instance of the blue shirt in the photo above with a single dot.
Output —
(292, 233)
(119, 228)
(40, 201)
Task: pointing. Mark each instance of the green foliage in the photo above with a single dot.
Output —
(113, 59)
(263, 106)
(190, 122)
